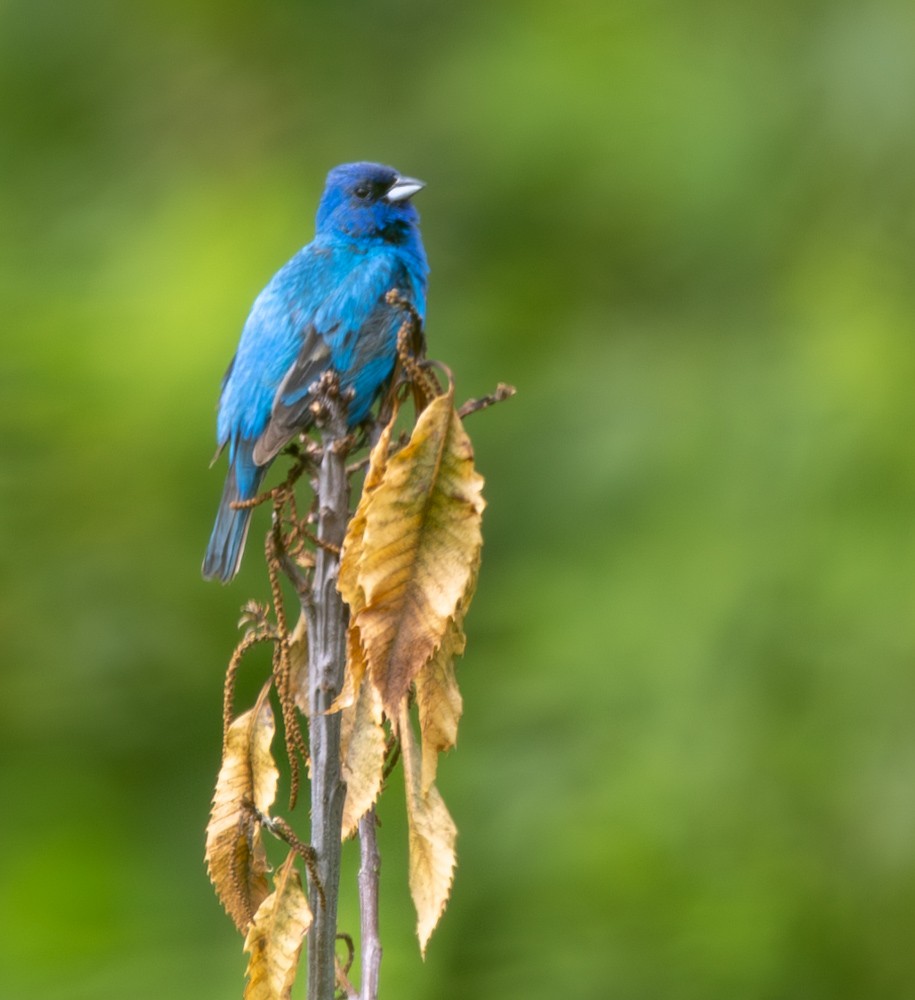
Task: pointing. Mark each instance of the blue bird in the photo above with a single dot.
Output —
(325, 310)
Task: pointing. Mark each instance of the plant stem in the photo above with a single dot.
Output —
(326, 658)
(369, 870)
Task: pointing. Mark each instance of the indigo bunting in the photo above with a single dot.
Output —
(325, 310)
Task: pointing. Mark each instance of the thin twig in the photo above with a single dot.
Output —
(349, 991)
(281, 829)
(502, 391)
(319, 542)
(305, 851)
(350, 951)
(369, 870)
(296, 577)
(358, 466)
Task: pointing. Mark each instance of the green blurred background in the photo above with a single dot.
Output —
(686, 232)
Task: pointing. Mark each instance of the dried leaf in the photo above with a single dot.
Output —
(437, 695)
(348, 580)
(274, 939)
(298, 664)
(432, 835)
(236, 862)
(363, 746)
(353, 672)
(439, 702)
(420, 549)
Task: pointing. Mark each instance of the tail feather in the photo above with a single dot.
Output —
(227, 542)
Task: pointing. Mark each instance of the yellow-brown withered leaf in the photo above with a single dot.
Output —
(362, 751)
(420, 549)
(432, 835)
(353, 671)
(236, 862)
(439, 702)
(348, 582)
(274, 939)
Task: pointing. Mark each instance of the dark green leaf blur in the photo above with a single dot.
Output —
(686, 232)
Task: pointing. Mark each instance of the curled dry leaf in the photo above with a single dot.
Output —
(362, 751)
(432, 836)
(275, 937)
(439, 702)
(353, 672)
(437, 695)
(235, 857)
(419, 550)
(348, 582)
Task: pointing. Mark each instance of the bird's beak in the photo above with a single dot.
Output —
(403, 188)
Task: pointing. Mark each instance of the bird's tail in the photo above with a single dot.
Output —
(227, 542)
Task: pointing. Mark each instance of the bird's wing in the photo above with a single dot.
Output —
(349, 332)
(286, 419)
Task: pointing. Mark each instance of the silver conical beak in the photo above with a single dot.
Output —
(403, 188)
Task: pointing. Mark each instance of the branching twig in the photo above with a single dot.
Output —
(326, 657)
(280, 828)
(502, 391)
(305, 851)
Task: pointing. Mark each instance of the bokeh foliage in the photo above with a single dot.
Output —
(686, 232)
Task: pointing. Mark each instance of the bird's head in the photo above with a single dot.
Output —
(368, 200)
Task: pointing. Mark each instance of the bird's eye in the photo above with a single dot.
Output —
(363, 191)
